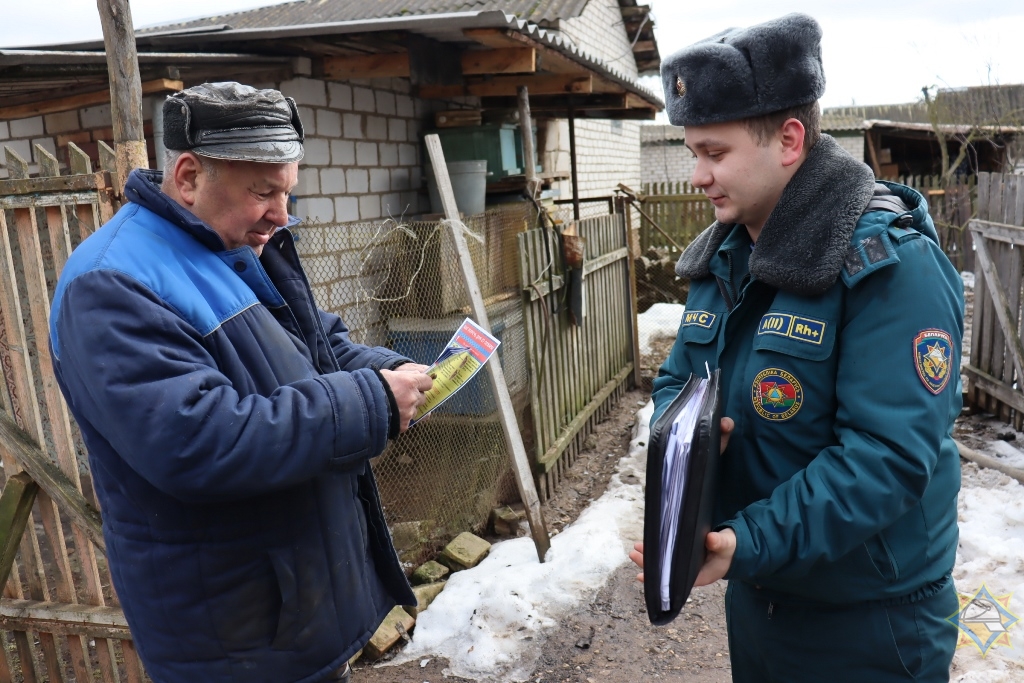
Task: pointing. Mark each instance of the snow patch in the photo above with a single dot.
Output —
(968, 278)
(660, 321)
(490, 620)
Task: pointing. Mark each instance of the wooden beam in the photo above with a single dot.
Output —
(1001, 232)
(72, 183)
(509, 60)
(90, 99)
(549, 60)
(382, 65)
(15, 509)
(1005, 314)
(51, 479)
(509, 425)
(508, 86)
(52, 617)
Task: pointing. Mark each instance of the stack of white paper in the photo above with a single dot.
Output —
(673, 482)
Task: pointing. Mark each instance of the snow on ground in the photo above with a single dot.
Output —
(968, 278)
(991, 553)
(490, 620)
(660, 320)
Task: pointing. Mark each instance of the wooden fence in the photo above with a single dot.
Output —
(680, 211)
(59, 615)
(996, 366)
(576, 372)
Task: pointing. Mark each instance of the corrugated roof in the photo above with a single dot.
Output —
(659, 134)
(302, 12)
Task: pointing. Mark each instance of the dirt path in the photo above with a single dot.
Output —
(609, 640)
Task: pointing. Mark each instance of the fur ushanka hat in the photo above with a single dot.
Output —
(742, 73)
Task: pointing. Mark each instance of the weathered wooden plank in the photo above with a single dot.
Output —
(984, 382)
(57, 199)
(16, 502)
(1002, 308)
(999, 232)
(54, 183)
(64, 618)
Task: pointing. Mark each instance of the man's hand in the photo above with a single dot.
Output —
(407, 387)
(721, 547)
(637, 554)
(412, 367)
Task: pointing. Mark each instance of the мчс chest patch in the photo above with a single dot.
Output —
(776, 394)
(699, 318)
(793, 326)
(933, 351)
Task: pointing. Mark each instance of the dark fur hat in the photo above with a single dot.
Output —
(742, 73)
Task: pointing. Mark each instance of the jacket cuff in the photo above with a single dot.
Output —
(394, 419)
(745, 560)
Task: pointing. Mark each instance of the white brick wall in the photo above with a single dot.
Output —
(667, 163)
(606, 156)
(854, 144)
(599, 30)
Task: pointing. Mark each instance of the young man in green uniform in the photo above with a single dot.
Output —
(837, 321)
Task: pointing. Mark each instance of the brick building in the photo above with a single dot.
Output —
(364, 119)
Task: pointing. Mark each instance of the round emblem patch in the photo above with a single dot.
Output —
(680, 86)
(776, 394)
(933, 350)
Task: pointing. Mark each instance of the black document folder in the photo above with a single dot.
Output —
(682, 470)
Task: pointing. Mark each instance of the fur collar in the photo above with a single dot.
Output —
(804, 242)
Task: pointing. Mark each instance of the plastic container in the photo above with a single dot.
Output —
(469, 184)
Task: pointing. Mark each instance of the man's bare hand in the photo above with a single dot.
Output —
(721, 547)
(412, 367)
(637, 554)
(407, 388)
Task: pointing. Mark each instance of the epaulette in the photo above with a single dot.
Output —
(868, 254)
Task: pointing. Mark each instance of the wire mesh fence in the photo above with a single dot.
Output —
(398, 284)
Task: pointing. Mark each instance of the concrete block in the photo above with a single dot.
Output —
(415, 178)
(376, 128)
(464, 552)
(5, 130)
(320, 209)
(400, 85)
(404, 106)
(340, 96)
(79, 137)
(369, 206)
(388, 154)
(415, 201)
(366, 153)
(26, 128)
(429, 572)
(328, 123)
(385, 103)
(505, 521)
(343, 152)
(380, 180)
(62, 122)
(308, 91)
(308, 183)
(413, 130)
(425, 595)
(392, 205)
(318, 152)
(363, 100)
(400, 179)
(398, 130)
(407, 155)
(96, 117)
(308, 117)
(357, 180)
(353, 126)
(396, 624)
(332, 180)
(346, 209)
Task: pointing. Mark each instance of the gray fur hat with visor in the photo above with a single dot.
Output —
(234, 121)
(744, 73)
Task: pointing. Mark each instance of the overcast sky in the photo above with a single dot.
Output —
(875, 51)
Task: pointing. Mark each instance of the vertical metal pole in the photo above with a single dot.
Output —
(572, 161)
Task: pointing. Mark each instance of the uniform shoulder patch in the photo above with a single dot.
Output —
(776, 394)
(703, 319)
(933, 353)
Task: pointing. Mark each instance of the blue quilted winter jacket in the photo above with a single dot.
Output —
(229, 424)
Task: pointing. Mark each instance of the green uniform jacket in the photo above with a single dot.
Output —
(839, 339)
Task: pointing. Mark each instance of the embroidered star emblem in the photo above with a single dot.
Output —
(984, 620)
(773, 395)
(680, 86)
(935, 360)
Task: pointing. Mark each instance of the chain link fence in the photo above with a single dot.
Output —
(398, 284)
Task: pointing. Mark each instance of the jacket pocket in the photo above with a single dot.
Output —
(882, 558)
(304, 587)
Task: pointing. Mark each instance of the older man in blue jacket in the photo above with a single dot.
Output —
(229, 421)
(836, 321)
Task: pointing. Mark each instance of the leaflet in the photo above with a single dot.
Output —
(470, 347)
